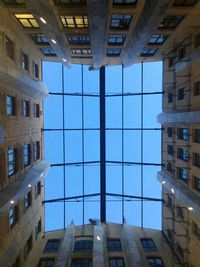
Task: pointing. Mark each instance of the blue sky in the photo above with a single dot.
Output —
(152, 82)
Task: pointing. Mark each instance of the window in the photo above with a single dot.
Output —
(124, 2)
(81, 52)
(155, 262)
(78, 39)
(38, 189)
(116, 39)
(27, 154)
(181, 94)
(196, 183)
(158, 39)
(113, 52)
(29, 244)
(148, 52)
(185, 3)
(49, 52)
(36, 108)
(196, 157)
(116, 262)
(169, 167)
(12, 161)
(114, 245)
(10, 105)
(180, 250)
(28, 200)
(39, 38)
(120, 21)
(81, 263)
(74, 21)
(170, 62)
(183, 134)
(196, 229)
(83, 245)
(36, 150)
(197, 88)
(52, 245)
(35, 69)
(170, 97)
(183, 153)
(24, 61)
(181, 53)
(148, 244)
(171, 22)
(63, 2)
(27, 20)
(197, 40)
(13, 216)
(196, 136)
(26, 108)
(169, 131)
(170, 150)
(38, 228)
(183, 174)
(9, 45)
(169, 201)
(180, 212)
(169, 234)
(46, 262)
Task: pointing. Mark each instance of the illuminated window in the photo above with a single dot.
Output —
(74, 21)
(46, 262)
(28, 200)
(78, 39)
(27, 20)
(183, 3)
(26, 108)
(120, 21)
(158, 39)
(10, 105)
(39, 38)
(124, 2)
(81, 245)
(9, 45)
(116, 39)
(36, 151)
(116, 262)
(12, 216)
(24, 61)
(49, 52)
(171, 22)
(148, 244)
(114, 245)
(81, 263)
(183, 174)
(183, 153)
(155, 262)
(81, 52)
(148, 52)
(52, 245)
(12, 161)
(113, 52)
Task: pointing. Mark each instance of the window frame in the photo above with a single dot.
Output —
(120, 21)
(26, 108)
(83, 245)
(118, 39)
(9, 47)
(10, 105)
(26, 155)
(79, 39)
(28, 19)
(36, 151)
(117, 261)
(65, 19)
(124, 3)
(28, 200)
(114, 244)
(171, 22)
(11, 162)
(183, 134)
(157, 39)
(113, 52)
(52, 245)
(13, 217)
(148, 244)
(24, 61)
(155, 263)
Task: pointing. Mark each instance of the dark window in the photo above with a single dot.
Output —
(183, 174)
(183, 153)
(78, 39)
(116, 39)
(83, 245)
(13, 216)
(170, 62)
(196, 229)
(74, 21)
(38, 188)
(170, 150)
(169, 131)
(29, 244)
(169, 167)
(158, 39)
(36, 150)
(170, 98)
(180, 212)
(197, 40)
(26, 108)
(52, 245)
(124, 2)
(180, 250)
(148, 52)
(40, 38)
(155, 262)
(196, 183)
(28, 200)
(12, 161)
(10, 105)
(81, 263)
(148, 244)
(9, 45)
(183, 3)
(197, 135)
(113, 52)
(196, 159)
(49, 52)
(197, 88)
(181, 94)
(114, 245)
(24, 61)
(38, 228)
(169, 233)
(183, 134)
(120, 21)
(181, 53)
(46, 262)
(169, 201)
(27, 20)
(81, 52)
(170, 22)
(27, 154)
(36, 110)
(35, 70)
(116, 262)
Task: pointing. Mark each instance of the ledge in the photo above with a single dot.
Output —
(179, 117)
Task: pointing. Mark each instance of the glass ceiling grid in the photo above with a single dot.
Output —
(72, 179)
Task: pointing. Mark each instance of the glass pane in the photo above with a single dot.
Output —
(54, 118)
(54, 222)
(53, 82)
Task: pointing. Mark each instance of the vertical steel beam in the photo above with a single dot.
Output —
(102, 144)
